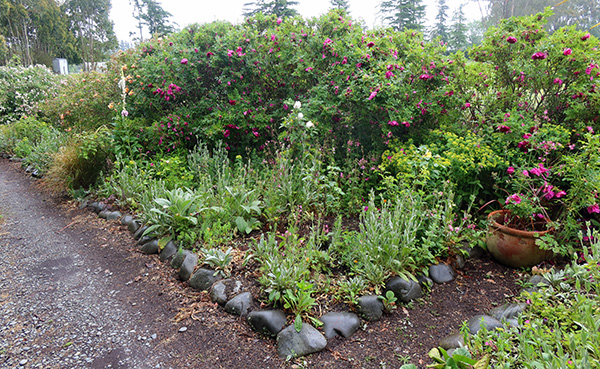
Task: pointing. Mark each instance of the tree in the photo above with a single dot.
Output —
(403, 14)
(440, 28)
(458, 30)
(150, 13)
(340, 4)
(36, 31)
(90, 24)
(280, 8)
(583, 14)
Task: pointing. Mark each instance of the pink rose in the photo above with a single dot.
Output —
(567, 51)
(510, 170)
(511, 40)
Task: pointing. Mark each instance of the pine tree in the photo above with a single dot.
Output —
(340, 4)
(440, 28)
(458, 30)
(403, 14)
(281, 8)
(151, 14)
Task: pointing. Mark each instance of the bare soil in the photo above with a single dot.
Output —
(152, 300)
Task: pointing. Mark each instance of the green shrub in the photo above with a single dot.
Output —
(79, 162)
(22, 90)
(83, 101)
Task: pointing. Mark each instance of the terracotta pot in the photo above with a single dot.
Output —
(513, 247)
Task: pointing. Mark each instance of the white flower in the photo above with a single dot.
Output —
(300, 115)
(297, 105)
(309, 124)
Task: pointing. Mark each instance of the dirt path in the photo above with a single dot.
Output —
(75, 293)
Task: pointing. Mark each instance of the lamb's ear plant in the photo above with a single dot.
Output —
(219, 260)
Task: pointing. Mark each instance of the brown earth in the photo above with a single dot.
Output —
(152, 300)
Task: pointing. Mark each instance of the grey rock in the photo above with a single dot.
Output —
(476, 322)
(508, 311)
(535, 282)
(168, 251)
(114, 215)
(187, 266)
(452, 341)
(203, 279)
(150, 247)
(340, 324)
(459, 262)
(475, 252)
(513, 322)
(404, 290)
(267, 322)
(296, 344)
(126, 219)
(133, 226)
(138, 234)
(178, 258)
(370, 307)
(424, 281)
(441, 273)
(222, 291)
(144, 239)
(240, 304)
(104, 214)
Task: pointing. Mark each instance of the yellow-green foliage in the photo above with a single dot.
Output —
(447, 156)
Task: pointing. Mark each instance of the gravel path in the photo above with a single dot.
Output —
(75, 294)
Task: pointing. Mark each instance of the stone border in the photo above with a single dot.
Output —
(229, 294)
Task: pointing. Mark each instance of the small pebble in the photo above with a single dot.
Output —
(23, 362)
(182, 329)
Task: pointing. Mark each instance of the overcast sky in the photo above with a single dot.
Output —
(186, 12)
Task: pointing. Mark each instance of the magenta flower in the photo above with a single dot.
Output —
(371, 44)
(560, 194)
(504, 129)
(539, 55)
(583, 38)
(526, 173)
(279, 20)
(327, 42)
(309, 69)
(425, 77)
(373, 94)
(209, 54)
(558, 81)
(467, 105)
(510, 170)
(231, 102)
(567, 51)
(511, 40)
(184, 61)
(514, 198)
(594, 208)
(226, 133)
(230, 52)
(389, 74)
(406, 124)
(393, 123)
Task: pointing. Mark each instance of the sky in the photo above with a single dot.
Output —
(186, 12)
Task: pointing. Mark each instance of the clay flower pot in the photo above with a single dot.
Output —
(513, 247)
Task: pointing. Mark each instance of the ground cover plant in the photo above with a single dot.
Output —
(325, 158)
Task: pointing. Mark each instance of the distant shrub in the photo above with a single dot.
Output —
(22, 89)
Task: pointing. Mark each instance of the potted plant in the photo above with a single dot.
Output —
(515, 231)
(547, 206)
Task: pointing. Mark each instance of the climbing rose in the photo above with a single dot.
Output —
(184, 61)
(515, 198)
(567, 52)
(511, 40)
(309, 124)
(539, 55)
(231, 102)
(371, 44)
(510, 170)
(373, 94)
(594, 208)
(297, 105)
(558, 81)
(279, 20)
(583, 38)
(504, 128)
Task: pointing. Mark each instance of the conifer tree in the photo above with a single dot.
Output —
(403, 14)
